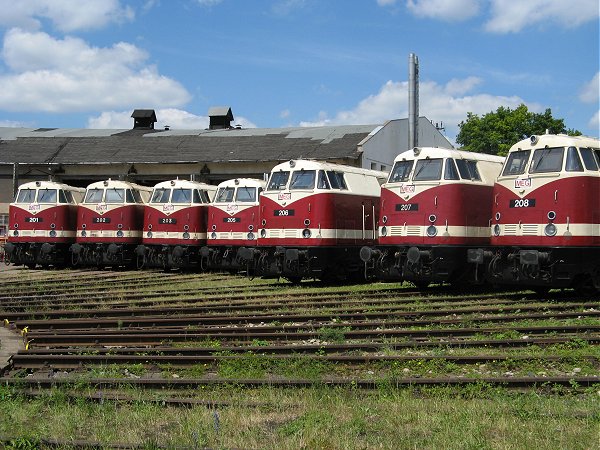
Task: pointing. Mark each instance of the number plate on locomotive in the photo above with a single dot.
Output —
(284, 212)
(231, 219)
(167, 220)
(33, 219)
(101, 220)
(407, 207)
(522, 203)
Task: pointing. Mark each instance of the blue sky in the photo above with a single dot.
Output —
(277, 63)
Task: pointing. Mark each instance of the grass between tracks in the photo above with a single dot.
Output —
(476, 416)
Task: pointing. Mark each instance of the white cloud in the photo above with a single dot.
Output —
(65, 15)
(175, 119)
(510, 16)
(591, 91)
(285, 114)
(386, 2)
(68, 75)
(209, 2)
(594, 122)
(441, 103)
(447, 10)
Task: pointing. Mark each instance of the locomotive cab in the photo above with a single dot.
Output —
(109, 223)
(42, 223)
(174, 224)
(315, 216)
(546, 216)
(435, 203)
(233, 221)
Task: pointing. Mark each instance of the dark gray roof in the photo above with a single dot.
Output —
(140, 146)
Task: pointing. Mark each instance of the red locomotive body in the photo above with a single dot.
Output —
(233, 221)
(546, 224)
(314, 219)
(436, 203)
(43, 221)
(109, 223)
(175, 224)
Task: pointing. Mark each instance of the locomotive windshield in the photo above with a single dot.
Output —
(468, 169)
(278, 180)
(337, 180)
(303, 179)
(161, 195)
(245, 194)
(26, 196)
(47, 196)
(547, 160)
(516, 163)
(428, 169)
(450, 172)
(94, 195)
(225, 195)
(181, 195)
(591, 163)
(401, 171)
(114, 195)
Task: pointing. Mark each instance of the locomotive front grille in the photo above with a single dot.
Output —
(413, 230)
(510, 229)
(290, 233)
(237, 235)
(530, 229)
(395, 230)
(274, 234)
(224, 235)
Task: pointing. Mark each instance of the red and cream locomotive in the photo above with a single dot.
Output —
(435, 204)
(315, 217)
(109, 223)
(42, 226)
(546, 216)
(174, 224)
(233, 221)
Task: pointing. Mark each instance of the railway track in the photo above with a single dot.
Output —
(154, 336)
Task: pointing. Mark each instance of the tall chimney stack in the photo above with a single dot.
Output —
(413, 101)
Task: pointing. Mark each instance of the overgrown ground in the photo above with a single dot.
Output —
(477, 417)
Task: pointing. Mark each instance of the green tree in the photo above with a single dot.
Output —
(496, 132)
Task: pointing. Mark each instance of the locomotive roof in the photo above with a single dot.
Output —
(117, 184)
(177, 183)
(555, 140)
(307, 164)
(244, 182)
(50, 185)
(435, 152)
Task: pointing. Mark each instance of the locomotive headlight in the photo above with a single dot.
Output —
(83, 225)
(384, 219)
(251, 236)
(263, 233)
(306, 222)
(306, 233)
(431, 229)
(15, 233)
(149, 226)
(52, 233)
(120, 226)
(214, 227)
(432, 218)
(264, 222)
(550, 230)
(120, 233)
(149, 234)
(186, 235)
(53, 226)
(384, 231)
(498, 215)
(496, 230)
(186, 227)
(250, 227)
(551, 215)
(213, 235)
(16, 226)
(83, 233)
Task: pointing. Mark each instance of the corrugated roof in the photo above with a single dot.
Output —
(69, 146)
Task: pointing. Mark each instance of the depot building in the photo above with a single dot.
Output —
(146, 155)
